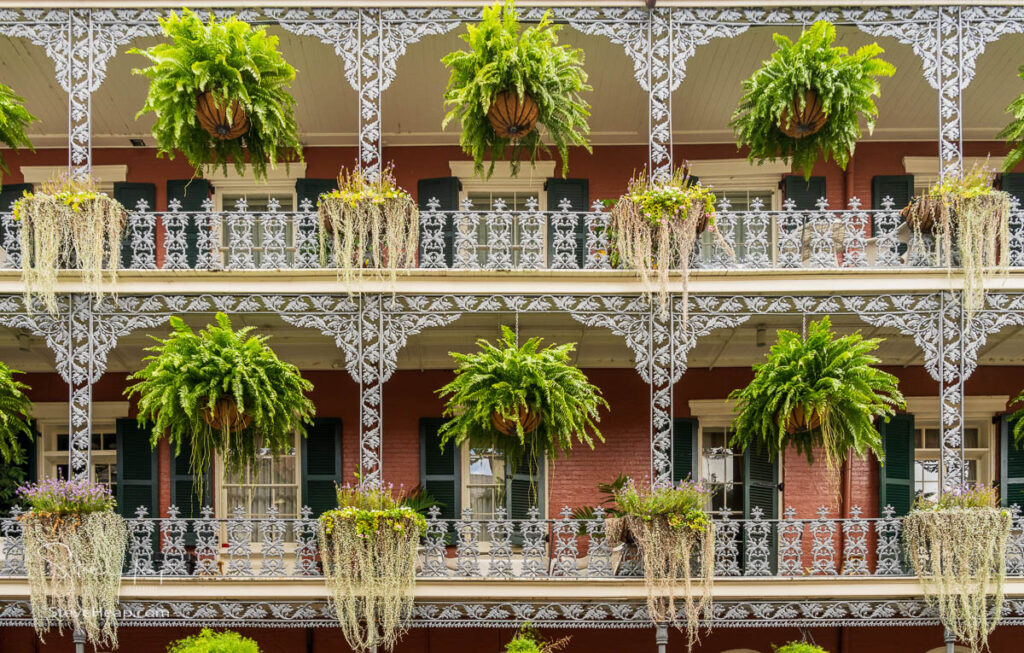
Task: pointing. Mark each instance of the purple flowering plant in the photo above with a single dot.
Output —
(56, 496)
(962, 496)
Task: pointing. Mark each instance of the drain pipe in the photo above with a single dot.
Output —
(950, 640)
(661, 637)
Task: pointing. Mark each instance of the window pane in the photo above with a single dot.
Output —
(62, 442)
(931, 438)
(971, 438)
(926, 478)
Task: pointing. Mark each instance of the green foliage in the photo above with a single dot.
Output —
(236, 62)
(608, 492)
(961, 496)
(832, 378)
(508, 378)
(15, 416)
(531, 63)
(682, 505)
(529, 640)
(845, 84)
(208, 641)
(189, 373)
(14, 118)
(1013, 133)
(11, 477)
(798, 647)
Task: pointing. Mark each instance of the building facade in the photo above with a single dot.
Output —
(529, 252)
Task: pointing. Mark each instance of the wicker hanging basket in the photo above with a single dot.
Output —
(225, 415)
(512, 117)
(804, 122)
(529, 419)
(922, 212)
(800, 422)
(213, 117)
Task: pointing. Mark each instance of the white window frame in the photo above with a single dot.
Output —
(221, 508)
(925, 169)
(464, 482)
(280, 181)
(978, 413)
(52, 419)
(105, 176)
(531, 178)
(741, 174)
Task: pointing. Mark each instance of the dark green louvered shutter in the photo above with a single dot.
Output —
(684, 449)
(577, 191)
(805, 193)
(191, 193)
(11, 193)
(761, 490)
(129, 194)
(896, 476)
(1011, 465)
(15, 474)
(439, 469)
(136, 470)
(321, 464)
(899, 187)
(311, 189)
(1013, 183)
(446, 191)
(525, 488)
(184, 486)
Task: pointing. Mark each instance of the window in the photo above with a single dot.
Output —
(486, 485)
(721, 468)
(739, 201)
(274, 483)
(52, 447)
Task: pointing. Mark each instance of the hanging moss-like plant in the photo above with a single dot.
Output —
(68, 223)
(675, 536)
(368, 222)
(656, 224)
(971, 222)
(819, 391)
(14, 120)
(223, 391)
(808, 99)
(219, 91)
(368, 547)
(957, 546)
(74, 552)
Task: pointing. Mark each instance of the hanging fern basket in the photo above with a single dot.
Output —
(805, 116)
(801, 421)
(511, 116)
(213, 114)
(529, 420)
(225, 416)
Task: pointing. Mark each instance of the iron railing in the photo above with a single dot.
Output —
(501, 239)
(272, 547)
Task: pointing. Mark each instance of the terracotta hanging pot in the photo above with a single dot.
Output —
(799, 422)
(806, 121)
(213, 117)
(225, 415)
(512, 117)
(529, 419)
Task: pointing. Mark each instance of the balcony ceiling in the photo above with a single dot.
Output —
(413, 106)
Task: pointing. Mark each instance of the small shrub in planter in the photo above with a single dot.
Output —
(654, 226)
(219, 90)
(957, 546)
(508, 81)
(529, 640)
(798, 647)
(675, 536)
(68, 222)
(14, 120)
(225, 392)
(809, 99)
(368, 222)
(971, 222)
(368, 546)
(817, 391)
(521, 399)
(74, 552)
(208, 641)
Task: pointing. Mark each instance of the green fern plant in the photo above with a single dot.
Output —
(844, 83)
(15, 416)
(1013, 133)
(821, 378)
(190, 373)
(208, 641)
(529, 640)
(531, 63)
(518, 385)
(14, 119)
(236, 63)
(798, 647)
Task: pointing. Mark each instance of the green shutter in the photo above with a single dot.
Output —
(446, 191)
(525, 488)
(191, 193)
(311, 189)
(577, 191)
(136, 470)
(805, 193)
(184, 488)
(11, 193)
(13, 475)
(321, 464)
(684, 449)
(760, 483)
(899, 187)
(1011, 465)
(129, 194)
(440, 470)
(1013, 183)
(896, 476)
